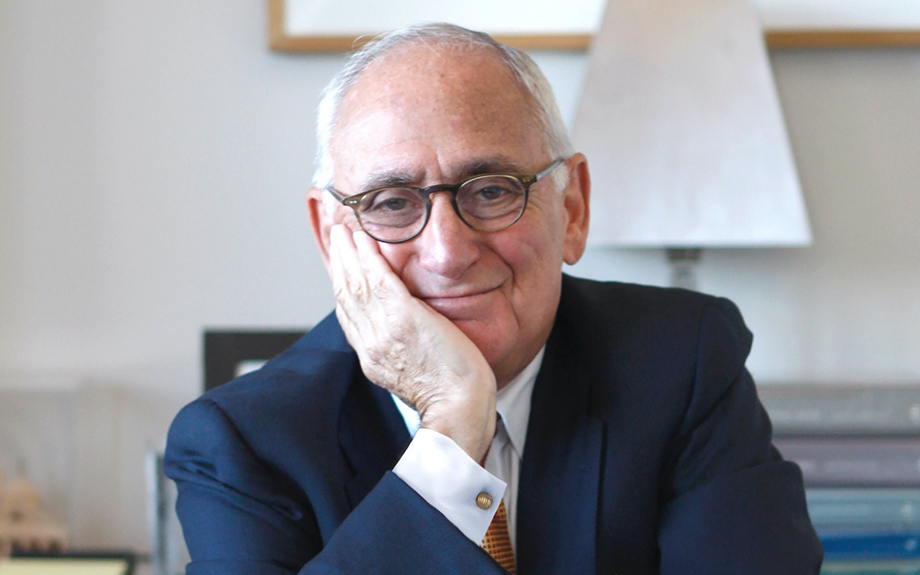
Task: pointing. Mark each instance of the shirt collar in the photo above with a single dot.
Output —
(512, 404)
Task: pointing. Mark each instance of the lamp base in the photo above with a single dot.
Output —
(683, 263)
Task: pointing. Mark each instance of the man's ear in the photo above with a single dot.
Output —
(577, 208)
(321, 221)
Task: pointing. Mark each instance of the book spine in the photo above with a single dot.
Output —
(860, 544)
(843, 409)
(881, 567)
(868, 508)
(854, 462)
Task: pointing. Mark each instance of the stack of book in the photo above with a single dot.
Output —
(859, 450)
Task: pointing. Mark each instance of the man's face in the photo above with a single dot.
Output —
(429, 115)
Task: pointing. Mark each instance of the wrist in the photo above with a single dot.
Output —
(471, 425)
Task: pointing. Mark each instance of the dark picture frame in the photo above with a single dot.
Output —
(225, 350)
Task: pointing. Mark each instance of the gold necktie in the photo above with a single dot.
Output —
(497, 541)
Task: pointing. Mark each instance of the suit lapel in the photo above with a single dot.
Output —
(560, 474)
(372, 435)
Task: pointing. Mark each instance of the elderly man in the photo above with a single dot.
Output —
(468, 408)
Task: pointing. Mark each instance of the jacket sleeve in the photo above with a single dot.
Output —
(241, 517)
(731, 504)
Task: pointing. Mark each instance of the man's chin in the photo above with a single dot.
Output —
(490, 337)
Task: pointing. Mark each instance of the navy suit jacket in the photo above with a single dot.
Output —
(647, 452)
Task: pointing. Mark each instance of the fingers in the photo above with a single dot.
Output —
(382, 280)
(350, 288)
(361, 272)
(347, 274)
(368, 304)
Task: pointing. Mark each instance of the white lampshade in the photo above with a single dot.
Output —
(681, 124)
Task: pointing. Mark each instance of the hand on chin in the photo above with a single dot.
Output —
(410, 347)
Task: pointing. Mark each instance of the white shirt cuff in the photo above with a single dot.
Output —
(448, 479)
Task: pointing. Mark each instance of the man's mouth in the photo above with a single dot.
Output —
(462, 305)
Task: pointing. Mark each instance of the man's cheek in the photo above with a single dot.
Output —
(397, 256)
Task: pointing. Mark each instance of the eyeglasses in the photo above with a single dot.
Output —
(487, 202)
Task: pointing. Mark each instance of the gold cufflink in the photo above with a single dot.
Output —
(484, 500)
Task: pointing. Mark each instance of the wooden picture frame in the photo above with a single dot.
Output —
(789, 36)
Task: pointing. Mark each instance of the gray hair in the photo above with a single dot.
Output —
(524, 69)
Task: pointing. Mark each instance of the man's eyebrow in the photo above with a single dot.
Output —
(396, 178)
(388, 179)
(492, 165)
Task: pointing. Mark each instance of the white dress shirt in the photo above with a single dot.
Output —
(448, 479)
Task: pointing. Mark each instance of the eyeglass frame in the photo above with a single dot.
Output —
(526, 180)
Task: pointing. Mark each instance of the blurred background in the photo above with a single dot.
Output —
(153, 163)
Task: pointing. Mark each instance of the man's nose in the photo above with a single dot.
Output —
(446, 246)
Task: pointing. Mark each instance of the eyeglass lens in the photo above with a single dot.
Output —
(486, 203)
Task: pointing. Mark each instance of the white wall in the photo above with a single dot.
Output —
(154, 155)
(153, 159)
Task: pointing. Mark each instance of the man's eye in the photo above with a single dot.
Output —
(389, 202)
(491, 193)
(392, 204)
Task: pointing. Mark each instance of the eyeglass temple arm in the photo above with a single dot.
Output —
(539, 175)
(340, 197)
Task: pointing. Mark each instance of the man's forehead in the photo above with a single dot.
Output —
(433, 62)
(433, 115)
(414, 78)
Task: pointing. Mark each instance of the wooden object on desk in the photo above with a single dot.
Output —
(23, 524)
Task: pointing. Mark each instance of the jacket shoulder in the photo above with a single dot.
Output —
(636, 345)
(289, 406)
(618, 311)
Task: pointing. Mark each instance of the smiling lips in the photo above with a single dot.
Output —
(468, 306)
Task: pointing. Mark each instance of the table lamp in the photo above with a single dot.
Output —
(684, 135)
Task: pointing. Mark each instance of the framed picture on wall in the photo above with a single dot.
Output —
(340, 25)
